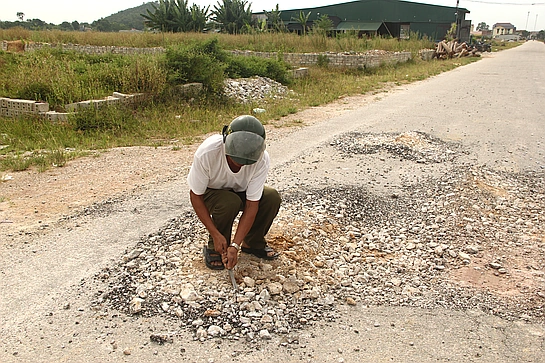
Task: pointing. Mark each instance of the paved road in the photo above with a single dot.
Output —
(494, 107)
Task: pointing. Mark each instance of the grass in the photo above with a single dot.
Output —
(257, 41)
(163, 119)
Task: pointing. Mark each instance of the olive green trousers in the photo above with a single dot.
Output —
(225, 205)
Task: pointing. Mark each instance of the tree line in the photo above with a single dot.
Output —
(229, 16)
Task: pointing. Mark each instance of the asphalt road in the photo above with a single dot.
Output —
(493, 107)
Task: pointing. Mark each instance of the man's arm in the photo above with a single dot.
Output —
(197, 201)
(245, 223)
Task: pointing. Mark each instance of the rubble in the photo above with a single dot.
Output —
(247, 90)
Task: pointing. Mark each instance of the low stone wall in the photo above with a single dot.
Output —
(94, 49)
(348, 60)
(371, 59)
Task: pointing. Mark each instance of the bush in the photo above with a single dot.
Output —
(38, 91)
(244, 67)
(323, 60)
(113, 119)
(197, 63)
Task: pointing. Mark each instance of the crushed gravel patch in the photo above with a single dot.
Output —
(467, 237)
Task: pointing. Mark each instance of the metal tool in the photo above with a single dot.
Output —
(233, 281)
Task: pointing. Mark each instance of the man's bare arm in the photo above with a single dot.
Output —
(197, 201)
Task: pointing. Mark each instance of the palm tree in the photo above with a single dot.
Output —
(159, 19)
(302, 19)
(232, 15)
(175, 16)
(274, 20)
(199, 17)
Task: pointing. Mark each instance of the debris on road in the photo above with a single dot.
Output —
(343, 244)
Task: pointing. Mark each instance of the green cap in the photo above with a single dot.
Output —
(244, 139)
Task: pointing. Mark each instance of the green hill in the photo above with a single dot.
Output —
(129, 18)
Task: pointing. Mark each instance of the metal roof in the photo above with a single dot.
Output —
(380, 11)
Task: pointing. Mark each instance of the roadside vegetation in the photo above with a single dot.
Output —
(168, 116)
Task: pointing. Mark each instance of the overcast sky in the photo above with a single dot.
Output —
(523, 14)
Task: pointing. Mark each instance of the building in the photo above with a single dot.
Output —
(505, 31)
(393, 18)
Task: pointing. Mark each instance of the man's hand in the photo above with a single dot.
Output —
(232, 258)
(220, 244)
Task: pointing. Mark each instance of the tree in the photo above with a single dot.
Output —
(162, 16)
(199, 17)
(451, 33)
(65, 26)
(482, 26)
(232, 15)
(323, 24)
(20, 15)
(75, 25)
(36, 24)
(302, 19)
(274, 21)
(103, 25)
(175, 16)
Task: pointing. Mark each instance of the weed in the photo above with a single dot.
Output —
(323, 61)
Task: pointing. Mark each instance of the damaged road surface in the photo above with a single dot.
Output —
(411, 230)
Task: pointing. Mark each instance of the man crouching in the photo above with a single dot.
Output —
(228, 176)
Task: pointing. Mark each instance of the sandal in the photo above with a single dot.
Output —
(211, 256)
(262, 253)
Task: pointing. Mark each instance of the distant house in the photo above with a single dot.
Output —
(505, 31)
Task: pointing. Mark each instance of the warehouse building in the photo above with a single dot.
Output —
(393, 18)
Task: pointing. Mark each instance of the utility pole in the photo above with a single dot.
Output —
(458, 21)
(527, 21)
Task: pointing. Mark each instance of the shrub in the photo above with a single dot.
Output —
(113, 119)
(198, 62)
(39, 91)
(243, 67)
(322, 61)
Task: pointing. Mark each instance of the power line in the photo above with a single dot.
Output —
(501, 3)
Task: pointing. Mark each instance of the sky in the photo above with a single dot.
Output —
(523, 14)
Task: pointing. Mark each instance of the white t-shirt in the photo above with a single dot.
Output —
(210, 170)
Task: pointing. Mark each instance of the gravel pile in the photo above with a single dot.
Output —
(342, 244)
(247, 90)
(414, 146)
